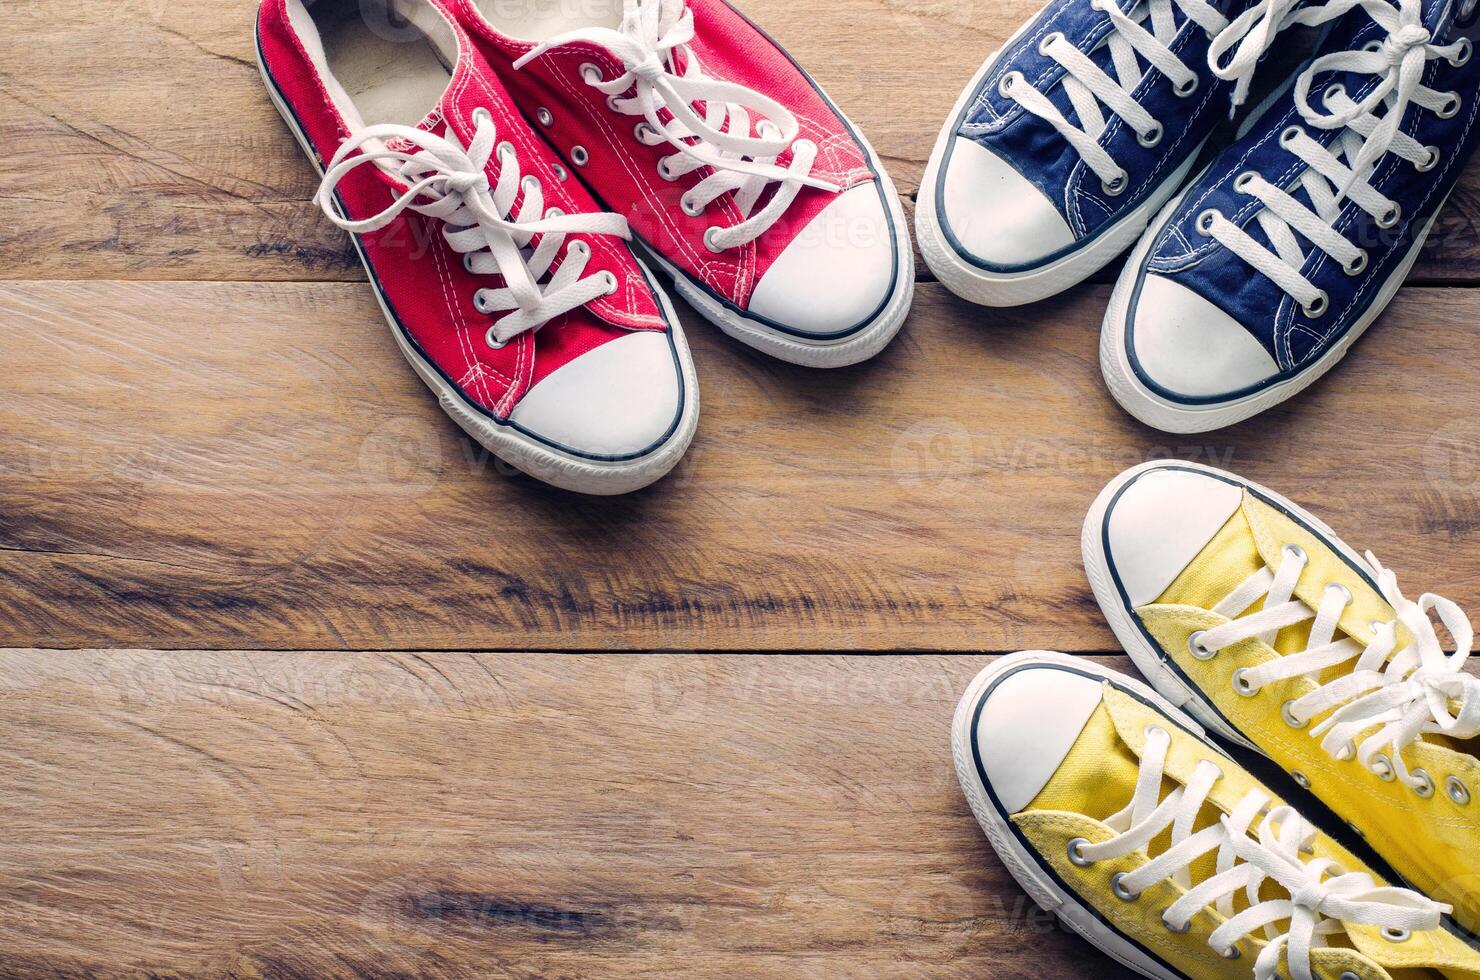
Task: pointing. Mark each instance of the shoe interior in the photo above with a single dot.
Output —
(542, 21)
(390, 61)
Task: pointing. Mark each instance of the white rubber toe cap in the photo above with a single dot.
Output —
(1030, 721)
(838, 271)
(618, 400)
(1189, 346)
(996, 214)
(1160, 523)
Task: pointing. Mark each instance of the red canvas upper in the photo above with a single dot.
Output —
(421, 277)
(624, 172)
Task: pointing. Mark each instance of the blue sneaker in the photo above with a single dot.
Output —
(1260, 276)
(1074, 135)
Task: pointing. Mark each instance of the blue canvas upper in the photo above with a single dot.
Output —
(1042, 155)
(1293, 337)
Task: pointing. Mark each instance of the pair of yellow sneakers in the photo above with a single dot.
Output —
(1251, 619)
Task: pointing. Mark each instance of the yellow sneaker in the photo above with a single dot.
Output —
(1250, 613)
(1114, 811)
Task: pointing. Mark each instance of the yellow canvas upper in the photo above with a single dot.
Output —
(1434, 842)
(1097, 778)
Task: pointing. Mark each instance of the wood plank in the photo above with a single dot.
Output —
(253, 465)
(143, 146)
(315, 815)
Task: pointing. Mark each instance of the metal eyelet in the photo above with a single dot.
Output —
(1117, 186)
(1348, 975)
(1318, 308)
(1457, 790)
(1373, 46)
(641, 131)
(1332, 91)
(1431, 162)
(1050, 39)
(1426, 790)
(554, 213)
(1294, 551)
(1183, 92)
(1231, 953)
(1205, 220)
(505, 149)
(1338, 587)
(480, 304)
(1382, 768)
(1075, 858)
(1291, 134)
(1186, 926)
(1244, 180)
(1466, 48)
(493, 342)
(664, 172)
(591, 74)
(611, 282)
(1357, 267)
(468, 264)
(1198, 651)
(1121, 892)
(481, 115)
(579, 156)
(1287, 712)
(1008, 81)
(709, 234)
(1241, 685)
(545, 116)
(1347, 751)
(1152, 138)
(1301, 778)
(611, 103)
(530, 184)
(1450, 109)
(561, 174)
(579, 249)
(1391, 218)
(690, 208)
(1395, 935)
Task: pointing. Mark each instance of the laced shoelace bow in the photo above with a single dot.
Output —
(1322, 898)
(1343, 170)
(448, 181)
(1393, 695)
(1087, 85)
(654, 35)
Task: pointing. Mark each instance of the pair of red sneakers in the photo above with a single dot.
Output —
(498, 161)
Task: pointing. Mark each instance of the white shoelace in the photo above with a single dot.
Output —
(1342, 171)
(1321, 895)
(449, 182)
(652, 37)
(1087, 85)
(1393, 695)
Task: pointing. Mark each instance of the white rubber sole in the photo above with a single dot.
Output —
(1147, 657)
(1024, 867)
(855, 347)
(545, 463)
(1001, 289)
(1169, 416)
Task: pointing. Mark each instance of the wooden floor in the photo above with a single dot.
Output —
(297, 681)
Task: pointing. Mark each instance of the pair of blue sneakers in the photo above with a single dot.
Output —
(1251, 278)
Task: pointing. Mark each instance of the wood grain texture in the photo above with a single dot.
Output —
(142, 145)
(316, 815)
(187, 465)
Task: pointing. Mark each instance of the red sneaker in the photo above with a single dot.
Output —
(511, 294)
(774, 217)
